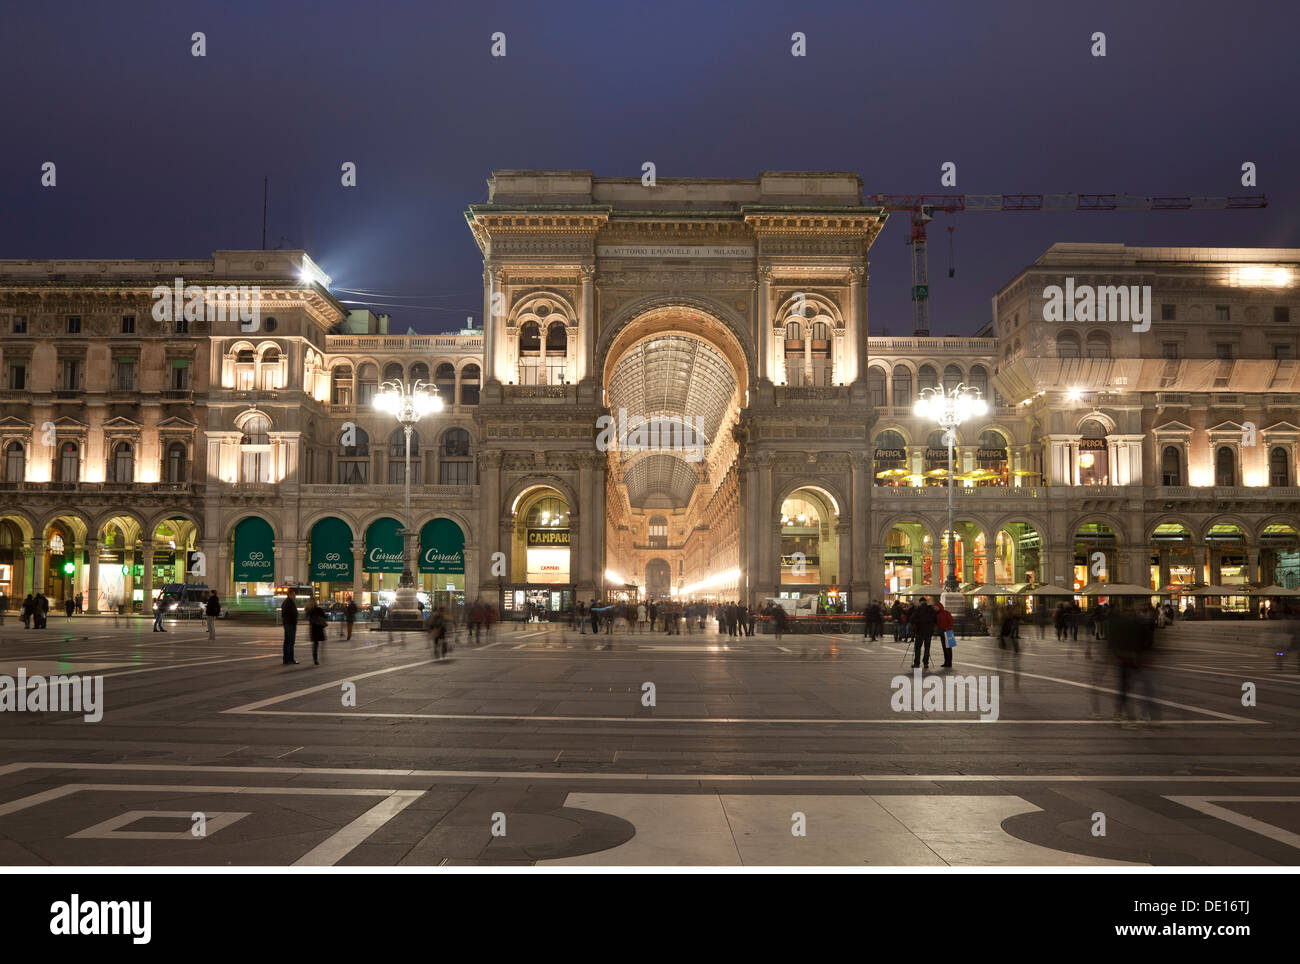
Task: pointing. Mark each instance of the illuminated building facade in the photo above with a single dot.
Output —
(674, 394)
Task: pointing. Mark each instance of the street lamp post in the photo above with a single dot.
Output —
(408, 405)
(950, 409)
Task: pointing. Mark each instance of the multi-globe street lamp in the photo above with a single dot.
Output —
(408, 406)
(949, 409)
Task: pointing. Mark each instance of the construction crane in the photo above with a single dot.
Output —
(922, 208)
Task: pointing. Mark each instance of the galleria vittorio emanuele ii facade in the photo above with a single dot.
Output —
(731, 317)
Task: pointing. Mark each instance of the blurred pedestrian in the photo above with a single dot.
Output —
(212, 609)
(289, 618)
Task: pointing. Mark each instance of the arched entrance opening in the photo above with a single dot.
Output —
(541, 574)
(1017, 555)
(909, 560)
(64, 557)
(1229, 566)
(173, 542)
(1279, 555)
(442, 565)
(658, 580)
(810, 547)
(330, 565)
(1095, 555)
(972, 560)
(13, 575)
(1172, 564)
(674, 380)
(252, 563)
(120, 565)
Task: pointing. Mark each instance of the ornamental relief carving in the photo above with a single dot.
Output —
(705, 278)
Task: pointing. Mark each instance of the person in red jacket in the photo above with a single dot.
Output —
(943, 623)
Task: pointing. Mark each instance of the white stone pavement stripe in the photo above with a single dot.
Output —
(188, 665)
(333, 849)
(1106, 689)
(901, 719)
(1048, 778)
(343, 842)
(253, 707)
(1240, 819)
(258, 708)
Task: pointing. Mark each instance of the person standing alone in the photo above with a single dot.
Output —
(289, 616)
(212, 610)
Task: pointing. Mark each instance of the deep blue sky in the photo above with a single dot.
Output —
(161, 154)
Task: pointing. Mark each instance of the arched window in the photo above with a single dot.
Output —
(1094, 454)
(1098, 344)
(557, 338)
(393, 371)
(794, 332)
(255, 450)
(658, 532)
(469, 385)
(176, 462)
(245, 369)
(1067, 345)
(268, 376)
(121, 467)
(876, 386)
(902, 387)
(979, 380)
(15, 462)
(991, 465)
(354, 457)
(952, 377)
(419, 371)
(70, 462)
(530, 337)
(444, 376)
(889, 459)
(927, 377)
(820, 332)
(530, 351)
(397, 457)
(367, 384)
(455, 466)
(1171, 466)
(1279, 467)
(341, 385)
(1225, 466)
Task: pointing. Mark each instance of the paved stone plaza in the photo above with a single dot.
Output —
(535, 748)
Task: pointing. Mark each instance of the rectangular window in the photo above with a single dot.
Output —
(74, 324)
(128, 324)
(1223, 350)
(1170, 349)
(1283, 352)
(71, 375)
(20, 324)
(180, 374)
(126, 375)
(397, 470)
(1281, 314)
(453, 473)
(1221, 313)
(18, 377)
(1168, 312)
(182, 326)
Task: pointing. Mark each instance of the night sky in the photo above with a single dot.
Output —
(161, 155)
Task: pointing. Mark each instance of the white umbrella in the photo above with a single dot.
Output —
(1047, 589)
(920, 591)
(1220, 591)
(1117, 589)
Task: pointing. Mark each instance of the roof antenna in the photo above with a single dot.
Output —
(264, 179)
